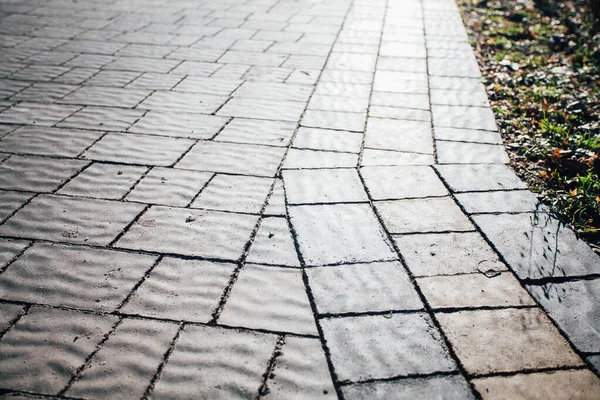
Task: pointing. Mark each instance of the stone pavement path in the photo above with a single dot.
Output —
(246, 199)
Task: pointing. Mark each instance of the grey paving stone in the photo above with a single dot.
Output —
(145, 50)
(234, 193)
(127, 361)
(324, 139)
(65, 219)
(333, 234)
(263, 74)
(77, 75)
(351, 62)
(401, 182)
(400, 49)
(339, 104)
(169, 187)
(273, 244)
(501, 201)
(104, 181)
(9, 313)
(272, 133)
(274, 91)
(342, 89)
(233, 361)
(48, 141)
(269, 298)
(299, 159)
(457, 67)
(200, 233)
(568, 384)
(89, 61)
(301, 372)
(470, 153)
(262, 109)
(305, 62)
(37, 114)
(404, 100)
(334, 75)
(78, 277)
(138, 149)
(464, 117)
(40, 73)
(400, 82)
(447, 253)
(196, 285)
(474, 290)
(11, 201)
(525, 339)
(458, 98)
(188, 53)
(362, 288)
(252, 58)
(323, 186)
(481, 177)
(538, 245)
(422, 215)
(10, 249)
(404, 344)
(467, 135)
(61, 341)
(112, 78)
(407, 136)
(102, 118)
(252, 45)
(561, 299)
(233, 158)
(198, 84)
(37, 174)
(401, 64)
(155, 81)
(453, 387)
(44, 92)
(409, 114)
(373, 157)
(199, 103)
(594, 361)
(193, 126)
(276, 203)
(195, 68)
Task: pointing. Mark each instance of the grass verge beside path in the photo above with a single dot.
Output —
(541, 66)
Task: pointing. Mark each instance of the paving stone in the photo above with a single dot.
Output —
(400, 82)
(305, 62)
(272, 133)
(334, 120)
(188, 53)
(404, 100)
(144, 50)
(453, 387)
(538, 246)
(501, 201)
(324, 139)
(523, 339)
(333, 234)
(334, 75)
(8, 314)
(48, 141)
(462, 178)
(474, 290)
(252, 58)
(400, 64)
(339, 104)
(195, 68)
(262, 109)
(40, 73)
(362, 288)
(323, 186)
(269, 298)
(273, 244)
(11, 201)
(96, 279)
(252, 45)
(594, 362)
(169, 187)
(73, 220)
(470, 153)
(422, 215)
(37, 114)
(400, 182)
(373, 157)
(199, 103)
(447, 253)
(560, 385)
(77, 75)
(234, 193)
(37, 174)
(188, 290)
(264, 74)
(200, 233)
(342, 89)
(138, 149)
(458, 98)
(408, 136)
(197, 84)
(89, 61)
(193, 126)
(404, 344)
(464, 117)
(399, 49)
(274, 91)
(44, 92)
(104, 181)
(127, 361)
(102, 118)
(352, 62)
(467, 135)
(276, 203)
(233, 361)
(301, 371)
(155, 81)
(561, 299)
(297, 158)
(61, 341)
(10, 249)
(409, 114)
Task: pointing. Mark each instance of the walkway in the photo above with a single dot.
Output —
(246, 199)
